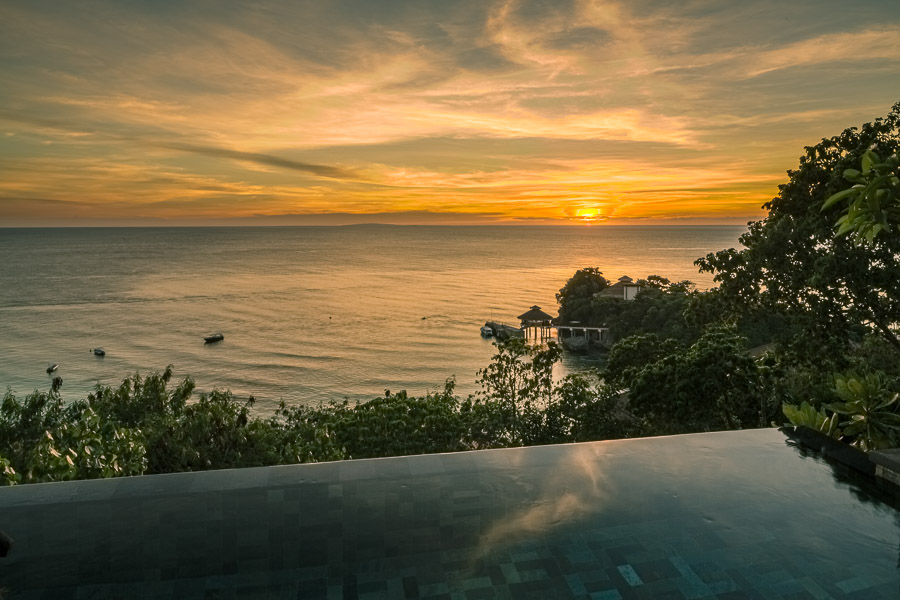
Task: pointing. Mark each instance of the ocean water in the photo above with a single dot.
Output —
(309, 314)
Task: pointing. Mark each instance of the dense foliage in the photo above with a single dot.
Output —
(873, 202)
(815, 295)
(147, 426)
(804, 323)
(576, 297)
(806, 313)
(833, 289)
(659, 307)
(866, 417)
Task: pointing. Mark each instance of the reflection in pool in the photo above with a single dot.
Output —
(720, 515)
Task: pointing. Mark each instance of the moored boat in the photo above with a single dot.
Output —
(487, 331)
(215, 337)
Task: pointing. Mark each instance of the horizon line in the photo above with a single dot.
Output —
(370, 224)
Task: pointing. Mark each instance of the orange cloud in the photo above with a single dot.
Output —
(509, 108)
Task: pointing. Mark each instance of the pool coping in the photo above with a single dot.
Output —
(881, 466)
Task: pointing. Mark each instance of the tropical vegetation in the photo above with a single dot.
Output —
(803, 325)
(148, 425)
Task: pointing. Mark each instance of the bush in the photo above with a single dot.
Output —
(145, 426)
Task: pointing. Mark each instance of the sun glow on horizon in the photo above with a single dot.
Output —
(505, 111)
(588, 216)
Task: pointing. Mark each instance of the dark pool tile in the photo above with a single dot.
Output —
(373, 468)
(600, 585)
(306, 474)
(25, 496)
(668, 595)
(605, 593)
(410, 587)
(438, 589)
(460, 462)
(421, 531)
(864, 594)
(620, 555)
(801, 595)
(487, 593)
(249, 592)
(736, 595)
(528, 587)
(372, 587)
(217, 594)
(62, 593)
(656, 570)
(426, 464)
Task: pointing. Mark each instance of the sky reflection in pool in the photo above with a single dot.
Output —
(719, 515)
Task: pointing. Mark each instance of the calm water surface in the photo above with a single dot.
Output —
(309, 314)
(732, 515)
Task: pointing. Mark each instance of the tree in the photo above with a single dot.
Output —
(711, 385)
(587, 410)
(42, 439)
(516, 388)
(658, 308)
(874, 200)
(576, 295)
(628, 356)
(399, 424)
(833, 289)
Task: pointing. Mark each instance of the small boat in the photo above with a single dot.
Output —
(99, 352)
(52, 368)
(216, 337)
(487, 331)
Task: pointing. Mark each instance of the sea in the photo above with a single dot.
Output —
(309, 314)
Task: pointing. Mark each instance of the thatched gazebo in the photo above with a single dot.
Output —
(538, 320)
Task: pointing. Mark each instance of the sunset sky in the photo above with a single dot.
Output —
(481, 111)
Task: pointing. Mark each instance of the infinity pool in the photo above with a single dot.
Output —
(721, 515)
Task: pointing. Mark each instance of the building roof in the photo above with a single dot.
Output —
(617, 288)
(535, 315)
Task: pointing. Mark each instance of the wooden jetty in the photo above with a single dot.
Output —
(502, 331)
(539, 326)
(576, 337)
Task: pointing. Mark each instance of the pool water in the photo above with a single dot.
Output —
(720, 515)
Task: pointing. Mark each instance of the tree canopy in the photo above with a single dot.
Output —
(873, 202)
(658, 308)
(576, 296)
(833, 288)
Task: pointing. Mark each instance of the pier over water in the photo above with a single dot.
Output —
(538, 325)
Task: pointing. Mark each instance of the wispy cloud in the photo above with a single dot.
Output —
(520, 108)
(264, 159)
(870, 45)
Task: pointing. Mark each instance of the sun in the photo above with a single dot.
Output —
(588, 215)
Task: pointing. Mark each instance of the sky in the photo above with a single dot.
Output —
(416, 111)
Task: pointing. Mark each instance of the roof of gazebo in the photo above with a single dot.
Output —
(535, 315)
